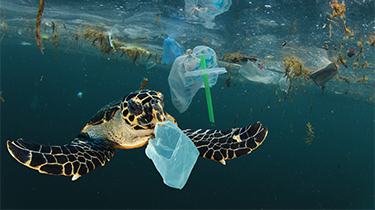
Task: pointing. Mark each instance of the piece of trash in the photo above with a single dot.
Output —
(150, 64)
(34, 103)
(251, 72)
(172, 49)
(284, 84)
(321, 76)
(183, 88)
(25, 43)
(206, 10)
(79, 94)
(173, 154)
(110, 41)
(351, 52)
(206, 71)
(207, 87)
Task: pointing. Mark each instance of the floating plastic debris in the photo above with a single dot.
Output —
(284, 84)
(351, 52)
(207, 10)
(321, 76)
(25, 43)
(34, 103)
(183, 88)
(110, 41)
(79, 94)
(150, 64)
(206, 71)
(173, 154)
(251, 72)
(172, 49)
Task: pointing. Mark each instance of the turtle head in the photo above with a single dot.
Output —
(143, 109)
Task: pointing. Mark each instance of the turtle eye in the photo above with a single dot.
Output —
(155, 101)
(134, 108)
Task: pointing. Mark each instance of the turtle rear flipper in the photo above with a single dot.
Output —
(221, 145)
(79, 157)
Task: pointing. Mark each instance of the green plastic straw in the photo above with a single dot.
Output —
(207, 88)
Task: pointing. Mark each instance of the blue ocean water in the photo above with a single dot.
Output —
(40, 91)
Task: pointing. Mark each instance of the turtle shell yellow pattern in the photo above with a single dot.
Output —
(126, 124)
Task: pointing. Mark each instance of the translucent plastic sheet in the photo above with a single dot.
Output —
(283, 84)
(251, 72)
(172, 49)
(321, 76)
(183, 88)
(207, 10)
(173, 154)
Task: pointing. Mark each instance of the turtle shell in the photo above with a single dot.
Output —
(105, 114)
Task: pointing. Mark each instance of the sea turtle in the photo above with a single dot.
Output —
(126, 124)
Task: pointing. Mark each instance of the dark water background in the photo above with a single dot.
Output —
(284, 172)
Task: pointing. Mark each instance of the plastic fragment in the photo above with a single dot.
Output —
(183, 88)
(251, 72)
(321, 76)
(172, 49)
(173, 154)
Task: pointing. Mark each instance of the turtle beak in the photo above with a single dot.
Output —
(158, 114)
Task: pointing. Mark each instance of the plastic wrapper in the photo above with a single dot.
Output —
(173, 154)
(321, 76)
(251, 72)
(207, 10)
(284, 84)
(172, 49)
(183, 88)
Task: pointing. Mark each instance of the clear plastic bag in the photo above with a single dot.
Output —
(183, 88)
(251, 72)
(284, 83)
(321, 76)
(172, 49)
(173, 154)
(207, 9)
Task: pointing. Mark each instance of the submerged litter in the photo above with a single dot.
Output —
(251, 72)
(173, 154)
(34, 103)
(172, 49)
(206, 71)
(25, 43)
(110, 41)
(206, 10)
(284, 84)
(184, 87)
(79, 94)
(321, 76)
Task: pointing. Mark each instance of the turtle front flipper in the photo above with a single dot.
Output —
(79, 157)
(221, 145)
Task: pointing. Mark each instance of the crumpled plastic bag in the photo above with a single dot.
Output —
(284, 83)
(321, 76)
(173, 154)
(251, 72)
(172, 49)
(183, 88)
(207, 10)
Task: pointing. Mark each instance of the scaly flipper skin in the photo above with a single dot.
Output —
(221, 145)
(79, 157)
